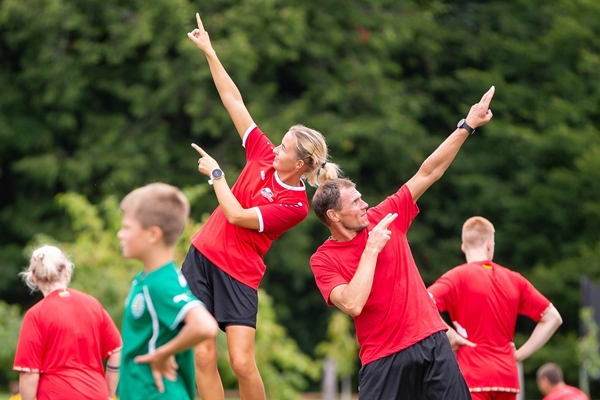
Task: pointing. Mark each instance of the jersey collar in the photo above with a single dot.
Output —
(288, 187)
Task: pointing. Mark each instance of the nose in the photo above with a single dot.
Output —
(364, 204)
(276, 150)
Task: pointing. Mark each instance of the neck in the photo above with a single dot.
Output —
(342, 235)
(477, 254)
(291, 178)
(158, 257)
(46, 290)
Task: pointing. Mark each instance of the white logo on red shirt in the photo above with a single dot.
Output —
(262, 174)
(266, 192)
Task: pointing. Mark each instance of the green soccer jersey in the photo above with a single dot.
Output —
(155, 307)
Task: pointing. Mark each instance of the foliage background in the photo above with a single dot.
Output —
(99, 97)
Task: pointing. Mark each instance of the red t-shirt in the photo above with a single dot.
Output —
(567, 392)
(239, 251)
(398, 312)
(483, 300)
(64, 338)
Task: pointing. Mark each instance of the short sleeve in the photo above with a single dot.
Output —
(443, 291)
(30, 346)
(257, 145)
(277, 218)
(532, 303)
(111, 338)
(172, 301)
(400, 202)
(326, 275)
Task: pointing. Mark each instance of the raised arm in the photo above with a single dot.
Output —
(543, 331)
(233, 210)
(352, 297)
(230, 95)
(438, 162)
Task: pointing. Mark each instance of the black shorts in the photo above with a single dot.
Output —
(423, 371)
(227, 299)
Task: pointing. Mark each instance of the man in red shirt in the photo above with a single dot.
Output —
(483, 299)
(553, 387)
(367, 270)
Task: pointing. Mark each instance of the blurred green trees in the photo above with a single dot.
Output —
(99, 97)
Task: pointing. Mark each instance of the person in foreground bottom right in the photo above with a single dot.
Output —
(552, 385)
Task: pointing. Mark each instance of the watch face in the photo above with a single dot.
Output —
(462, 121)
(216, 173)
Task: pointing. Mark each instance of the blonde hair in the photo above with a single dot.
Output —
(47, 264)
(161, 205)
(312, 149)
(476, 231)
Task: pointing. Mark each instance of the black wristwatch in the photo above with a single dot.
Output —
(215, 174)
(463, 124)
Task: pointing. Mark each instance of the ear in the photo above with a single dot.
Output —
(462, 248)
(155, 234)
(299, 164)
(332, 215)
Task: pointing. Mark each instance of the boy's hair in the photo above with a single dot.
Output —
(161, 205)
(552, 372)
(476, 231)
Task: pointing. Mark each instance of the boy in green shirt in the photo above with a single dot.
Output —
(163, 320)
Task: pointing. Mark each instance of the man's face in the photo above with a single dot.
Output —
(353, 215)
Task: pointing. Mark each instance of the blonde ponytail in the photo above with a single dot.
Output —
(312, 149)
(46, 265)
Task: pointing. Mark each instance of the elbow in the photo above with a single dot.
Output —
(208, 330)
(353, 310)
(234, 218)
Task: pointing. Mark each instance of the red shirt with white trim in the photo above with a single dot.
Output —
(567, 392)
(64, 338)
(239, 251)
(399, 311)
(483, 299)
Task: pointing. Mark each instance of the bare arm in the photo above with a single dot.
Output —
(112, 373)
(28, 385)
(230, 95)
(543, 331)
(352, 297)
(233, 210)
(438, 162)
(198, 325)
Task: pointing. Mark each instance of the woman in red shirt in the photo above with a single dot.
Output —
(65, 337)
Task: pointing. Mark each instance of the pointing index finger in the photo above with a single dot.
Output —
(200, 26)
(199, 150)
(387, 220)
(487, 97)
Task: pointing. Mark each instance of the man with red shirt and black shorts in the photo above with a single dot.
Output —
(367, 270)
(483, 299)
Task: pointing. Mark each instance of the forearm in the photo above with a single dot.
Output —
(233, 210)
(112, 373)
(438, 162)
(198, 326)
(28, 385)
(355, 295)
(541, 334)
(227, 89)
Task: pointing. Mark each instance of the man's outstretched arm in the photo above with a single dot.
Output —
(438, 162)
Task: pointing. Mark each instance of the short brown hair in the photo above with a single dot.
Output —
(327, 197)
(159, 204)
(552, 372)
(476, 231)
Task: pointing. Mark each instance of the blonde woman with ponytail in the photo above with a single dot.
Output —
(225, 264)
(64, 337)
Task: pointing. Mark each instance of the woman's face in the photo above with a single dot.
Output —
(286, 158)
